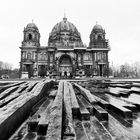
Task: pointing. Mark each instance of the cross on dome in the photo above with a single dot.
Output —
(64, 18)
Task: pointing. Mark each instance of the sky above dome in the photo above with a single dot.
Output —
(119, 18)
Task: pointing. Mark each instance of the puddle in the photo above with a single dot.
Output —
(134, 98)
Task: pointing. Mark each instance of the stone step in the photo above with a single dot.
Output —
(74, 103)
(86, 93)
(85, 115)
(120, 110)
(100, 113)
(44, 120)
(34, 119)
(86, 103)
(102, 102)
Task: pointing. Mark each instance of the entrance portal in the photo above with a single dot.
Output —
(100, 69)
(42, 70)
(65, 65)
(65, 73)
(29, 69)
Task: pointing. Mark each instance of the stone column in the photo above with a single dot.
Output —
(21, 59)
(48, 59)
(77, 60)
(36, 60)
(107, 64)
(93, 62)
(54, 63)
(57, 67)
(82, 53)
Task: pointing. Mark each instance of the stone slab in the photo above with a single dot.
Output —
(44, 120)
(80, 131)
(85, 115)
(102, 102)
(68, 119)
(87, 94)
(86, 103)
(122, 111)
(55, 120)
(74, 103)
(18, 111)
(7, 92)
(100, 113)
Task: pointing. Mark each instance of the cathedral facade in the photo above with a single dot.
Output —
(65, 55)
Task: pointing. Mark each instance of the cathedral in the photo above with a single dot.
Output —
(65, 55)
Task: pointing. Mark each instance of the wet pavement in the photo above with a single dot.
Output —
(120, 100)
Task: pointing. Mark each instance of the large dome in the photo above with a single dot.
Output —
(64, 28)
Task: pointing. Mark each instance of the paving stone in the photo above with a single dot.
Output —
(80, 131)
(117, 130)
(90, 131)
(100, 130)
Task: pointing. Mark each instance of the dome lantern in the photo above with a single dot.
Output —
(64, 18)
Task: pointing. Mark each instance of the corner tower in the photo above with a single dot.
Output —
(100, 48)
(29, 47)
(31, 36)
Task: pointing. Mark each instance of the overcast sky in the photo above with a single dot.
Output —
(120, 19)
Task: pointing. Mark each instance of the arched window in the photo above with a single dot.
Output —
(45, 56)
(30, 37)
(99, 37)
(28, 55)
(87, 56)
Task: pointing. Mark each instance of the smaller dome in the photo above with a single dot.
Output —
(31, 25)
(97, 27)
